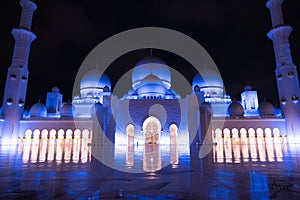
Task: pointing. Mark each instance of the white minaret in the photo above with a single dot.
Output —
(286, 72)
(17, 75)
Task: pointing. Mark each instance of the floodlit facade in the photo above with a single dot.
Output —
(151, 112)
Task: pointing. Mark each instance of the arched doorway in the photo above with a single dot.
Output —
(151, 130)
(130, 134)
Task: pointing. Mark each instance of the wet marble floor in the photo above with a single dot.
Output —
(256, 168)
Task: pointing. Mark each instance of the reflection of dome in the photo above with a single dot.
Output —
(212, 79)
(151, 65)
(266, 109)
(67, 110)
(38, 110)
(95, 79)
(235, 109)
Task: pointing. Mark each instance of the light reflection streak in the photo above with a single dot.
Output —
(249, 149)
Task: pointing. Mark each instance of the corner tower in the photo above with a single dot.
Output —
(286, 71)
(17, 75)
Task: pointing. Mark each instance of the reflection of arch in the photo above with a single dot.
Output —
(130, 134)
(173, 133)
(151, 130)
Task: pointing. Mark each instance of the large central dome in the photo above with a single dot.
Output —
(95, 79)
(151, 65)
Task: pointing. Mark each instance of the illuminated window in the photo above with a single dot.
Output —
(295, 99)
(21, 102)
(291, 74)
(279, 76)
(9, 101)
(24, 78)
(77, 134)
(218, 132)
(52, 134)
(283, 100)
(36, 134)
(243, 132)
(226, 132)
(85, 134)
(251, 131)
(259, 132)
(44, 134)
(276, 132)
(28, 134)
(197, 88)
(268, 132)
(69, 134)
(173, 129)
(13, 76)
(61, 134)
(106, 89)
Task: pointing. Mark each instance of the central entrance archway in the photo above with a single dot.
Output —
(151, 130)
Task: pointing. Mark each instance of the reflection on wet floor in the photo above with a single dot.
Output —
(58, 150)
(237, 150)
(250, 168)
(227, 150)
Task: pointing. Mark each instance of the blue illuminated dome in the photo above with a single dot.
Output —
(95, 79)
(151, 87)
(151, 65)
(235, 109)
(266, 109)
(38, 110)
(67, 110)
(211, 79)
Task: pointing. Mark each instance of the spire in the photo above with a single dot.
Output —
(276, 12)
(17, 76)
(286, 71)
(28, 7)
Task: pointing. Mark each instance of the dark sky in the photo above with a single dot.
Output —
(233, 32)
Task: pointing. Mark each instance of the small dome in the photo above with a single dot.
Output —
(235, 109)
(212, 79)
(38, 110)
(55, 89)
(248, 88)
(95, 79)
(151, 65)
(67, 110)
(266, 109)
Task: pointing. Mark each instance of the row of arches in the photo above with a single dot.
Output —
(243, 132)
(58, 134)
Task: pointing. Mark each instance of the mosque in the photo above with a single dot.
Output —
(151, 112)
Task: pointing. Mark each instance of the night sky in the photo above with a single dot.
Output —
(233, 32)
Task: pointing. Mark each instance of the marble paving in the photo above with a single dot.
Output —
(257, 168)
